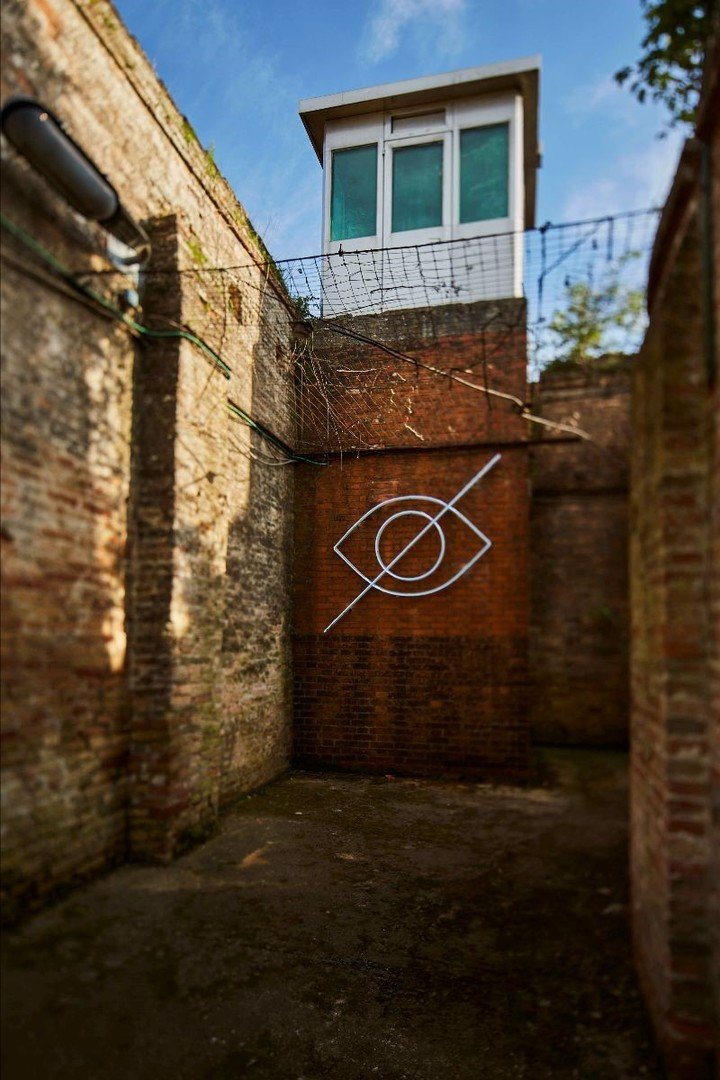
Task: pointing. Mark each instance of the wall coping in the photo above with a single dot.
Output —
(108, 26)
(679, 203)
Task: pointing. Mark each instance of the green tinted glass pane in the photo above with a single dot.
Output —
(417, 187)
(353, 210)
(484, 173)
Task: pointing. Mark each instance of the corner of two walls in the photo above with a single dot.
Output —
(579, 627)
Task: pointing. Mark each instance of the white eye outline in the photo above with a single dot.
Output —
(445, 508)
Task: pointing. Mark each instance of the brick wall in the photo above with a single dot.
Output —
(434, 684)
(372, 400)
(578, 542)
(707, 130)
(675, 634)
(145, 546)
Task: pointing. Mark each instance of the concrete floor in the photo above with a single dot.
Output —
(350, 928)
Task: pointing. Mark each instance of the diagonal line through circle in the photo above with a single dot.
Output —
(448, 506)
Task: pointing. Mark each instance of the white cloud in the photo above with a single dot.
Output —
(638, 172)
(635, 179)
(426, 21)
(586, 98)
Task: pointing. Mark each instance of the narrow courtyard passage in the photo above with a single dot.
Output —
(351, 928)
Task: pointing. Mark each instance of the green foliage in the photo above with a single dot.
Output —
(303, 305)
(592, 320)
(188, 131)
(670, 67)
(190, 136)
(210, 166)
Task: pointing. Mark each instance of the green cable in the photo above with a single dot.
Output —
(68, 276)
(47, 257)
(268, 435)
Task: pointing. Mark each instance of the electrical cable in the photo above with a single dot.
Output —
(145, 331)
(273, 439)
(110, 310)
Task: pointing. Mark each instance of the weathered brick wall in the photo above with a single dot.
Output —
(675, 627)
(433, 684)
(145, 671)
(578, 569)
(707, 130)
(357, 396)
(66, 417)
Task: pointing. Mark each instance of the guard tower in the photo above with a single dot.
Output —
(410, 647)
(445, 160)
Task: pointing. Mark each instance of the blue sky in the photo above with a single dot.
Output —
(237, 69)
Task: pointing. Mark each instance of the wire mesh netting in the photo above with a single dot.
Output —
(584, 272)
(570, 291)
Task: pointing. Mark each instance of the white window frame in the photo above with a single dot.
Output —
(417, 114)
(344, 135)
(461, 113)
(485, 112)
(432, 232)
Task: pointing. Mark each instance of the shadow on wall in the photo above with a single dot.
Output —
(103, 761)
(256, 697)
(211, 535)
(65, 425)
(579, 553)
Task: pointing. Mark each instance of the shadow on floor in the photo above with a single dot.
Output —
(351, 928)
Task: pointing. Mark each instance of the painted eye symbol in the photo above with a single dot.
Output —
(425, 514)
(424, 508)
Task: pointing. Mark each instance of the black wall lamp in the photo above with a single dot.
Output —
(41, 138)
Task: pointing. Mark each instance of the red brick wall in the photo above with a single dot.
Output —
(370, 399)
(675, 722)
(428, 685)
(579, 583)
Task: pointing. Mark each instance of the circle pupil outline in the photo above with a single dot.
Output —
(406, 577)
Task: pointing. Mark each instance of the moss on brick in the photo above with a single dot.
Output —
(188, 131)
(211, 168)
(196, 251)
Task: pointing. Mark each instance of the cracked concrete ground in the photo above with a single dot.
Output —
(351, 928)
